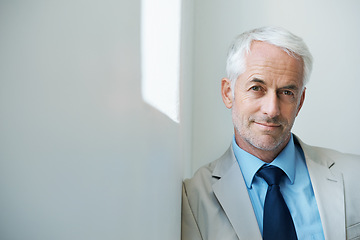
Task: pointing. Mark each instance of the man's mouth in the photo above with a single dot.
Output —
(268, 126)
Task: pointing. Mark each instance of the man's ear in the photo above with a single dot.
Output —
(302, 99)
(226, 92)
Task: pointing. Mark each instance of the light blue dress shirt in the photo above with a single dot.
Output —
(296, 188)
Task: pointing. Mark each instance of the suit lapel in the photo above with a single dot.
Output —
(329, 193)
(232, 195)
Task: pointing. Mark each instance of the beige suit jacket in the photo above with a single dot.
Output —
(216, 204)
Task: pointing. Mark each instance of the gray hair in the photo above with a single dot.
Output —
(290, 43)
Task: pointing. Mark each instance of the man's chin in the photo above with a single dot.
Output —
(267, 143)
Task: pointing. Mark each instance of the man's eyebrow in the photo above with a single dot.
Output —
(256, 80)
(291, 87)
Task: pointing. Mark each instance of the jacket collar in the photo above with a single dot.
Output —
(328, 189)
(231, 192)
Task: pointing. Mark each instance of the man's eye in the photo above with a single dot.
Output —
(289, 93)
(255, 88)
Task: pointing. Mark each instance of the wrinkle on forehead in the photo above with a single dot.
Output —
(273, 61)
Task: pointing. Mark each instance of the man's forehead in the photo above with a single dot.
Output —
(266, 62)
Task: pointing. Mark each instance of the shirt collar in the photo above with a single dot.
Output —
(249, 164)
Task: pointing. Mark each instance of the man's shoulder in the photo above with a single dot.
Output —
(333, 157)
(206, 175)
(200, 185)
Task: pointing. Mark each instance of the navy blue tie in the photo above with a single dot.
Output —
(278, 224)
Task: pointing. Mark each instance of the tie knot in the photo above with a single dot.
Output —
(271, 174)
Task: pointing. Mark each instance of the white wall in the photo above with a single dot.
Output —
(330, 115)
(81, 155)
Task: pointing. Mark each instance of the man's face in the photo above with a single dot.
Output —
(267, 98)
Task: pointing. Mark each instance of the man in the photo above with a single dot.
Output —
(316, 195)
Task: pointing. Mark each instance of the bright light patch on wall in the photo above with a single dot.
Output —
(160, 60)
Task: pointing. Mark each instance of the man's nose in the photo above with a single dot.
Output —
(271, 105)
